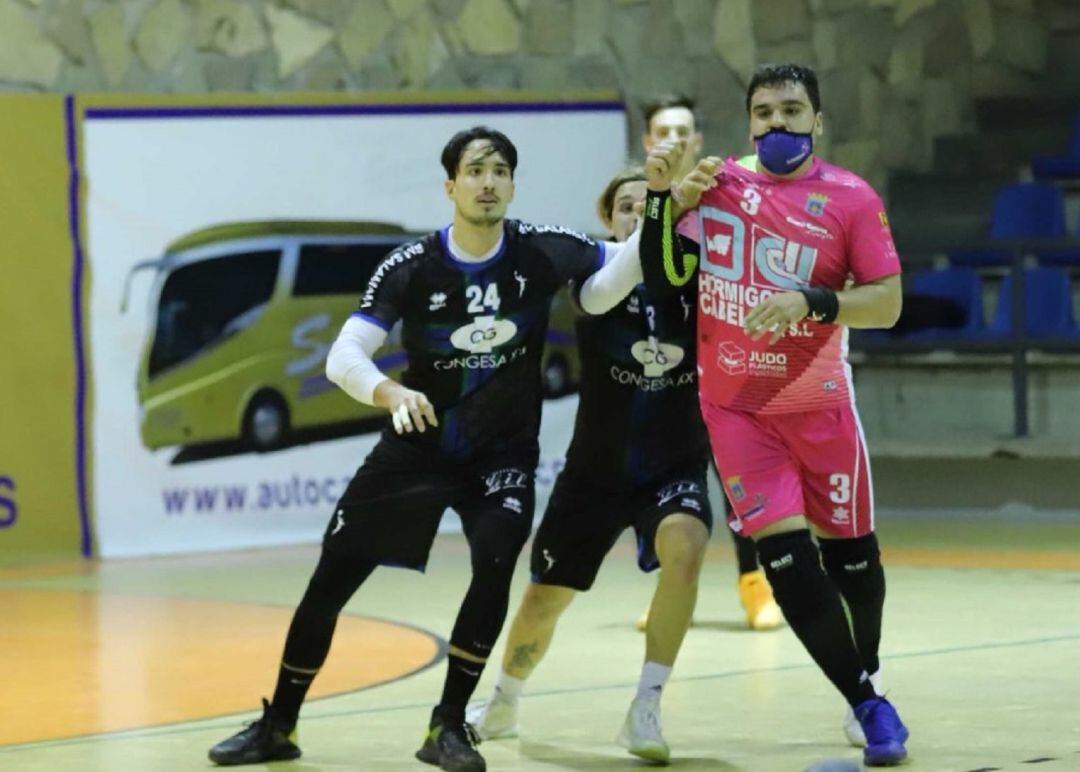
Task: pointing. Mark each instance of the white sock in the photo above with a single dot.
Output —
(653, 677)
(875, 681)
(509, 688)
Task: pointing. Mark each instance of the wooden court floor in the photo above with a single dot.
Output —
(143, 664)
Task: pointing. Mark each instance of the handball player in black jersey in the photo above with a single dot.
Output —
(473, 301)
(638, 458)
(673, 117)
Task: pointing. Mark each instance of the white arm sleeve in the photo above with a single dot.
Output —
(621, 273)
(349, 363)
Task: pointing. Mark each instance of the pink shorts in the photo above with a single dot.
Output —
(778, 465)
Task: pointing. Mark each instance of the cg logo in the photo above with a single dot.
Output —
(656, 357)
(483, 334)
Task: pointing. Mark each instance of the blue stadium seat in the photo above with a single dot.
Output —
(1027, 210)
(1048, 305)
(960, 285)
(1068, 258)
(1060, 167)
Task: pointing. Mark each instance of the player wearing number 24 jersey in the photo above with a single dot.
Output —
(473, 301)
(474, 332)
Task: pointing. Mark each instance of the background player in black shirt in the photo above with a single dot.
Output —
(671, 118)
(638, 457)
(473, 300)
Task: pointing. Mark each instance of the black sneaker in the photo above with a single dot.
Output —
(264, 740)
(452, 748)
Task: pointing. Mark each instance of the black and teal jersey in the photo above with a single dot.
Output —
(474, 333)
(638, 416)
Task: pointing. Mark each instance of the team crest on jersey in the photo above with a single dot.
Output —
(437, 301)
(815, 204)
(483, 334)
(734, 485)
(655, 357)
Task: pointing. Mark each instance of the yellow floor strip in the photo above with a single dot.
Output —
(86, 663)
(1036, 560)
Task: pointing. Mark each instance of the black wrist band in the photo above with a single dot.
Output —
(654, 203)
(823, 303)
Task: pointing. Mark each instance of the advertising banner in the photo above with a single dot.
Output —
(40, 482)
(226, 244)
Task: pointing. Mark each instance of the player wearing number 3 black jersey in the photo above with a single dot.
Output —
(789, 252)
(473, 301)
(637, 459)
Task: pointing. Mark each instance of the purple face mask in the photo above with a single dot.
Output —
(782, 152)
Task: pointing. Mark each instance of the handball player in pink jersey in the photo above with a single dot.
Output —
(791, 252)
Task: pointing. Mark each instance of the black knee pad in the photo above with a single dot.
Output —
(336, 579)
(854, 565)
(792, 564)
(495, 544)
(494, 550)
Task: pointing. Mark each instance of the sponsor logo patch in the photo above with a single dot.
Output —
(513, 504)
(783, 562)
(483, 334)
(731, 358)
(656, 358)
(675, 490)
(503, 479)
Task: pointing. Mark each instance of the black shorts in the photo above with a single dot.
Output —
(391, 510)
(582, 523)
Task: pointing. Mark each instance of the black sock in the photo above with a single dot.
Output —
(462, 675)
(745, 553)
(854, 565)
(812, 606)
(335, 580)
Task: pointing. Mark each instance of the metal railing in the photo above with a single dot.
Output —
(1017, 344)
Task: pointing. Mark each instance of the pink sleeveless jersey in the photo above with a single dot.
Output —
(760, 236)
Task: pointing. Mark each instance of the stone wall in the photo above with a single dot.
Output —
(895, 73)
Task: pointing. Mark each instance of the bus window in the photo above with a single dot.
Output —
(337, 269)
(203, 302)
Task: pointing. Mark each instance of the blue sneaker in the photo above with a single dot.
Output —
(885, 733)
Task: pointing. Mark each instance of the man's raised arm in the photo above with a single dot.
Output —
(664, 264)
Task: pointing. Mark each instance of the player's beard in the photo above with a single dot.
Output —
(483, 220)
